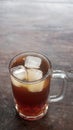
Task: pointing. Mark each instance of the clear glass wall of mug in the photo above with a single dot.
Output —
(31, 74)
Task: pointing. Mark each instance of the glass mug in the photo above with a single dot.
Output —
(31, 74)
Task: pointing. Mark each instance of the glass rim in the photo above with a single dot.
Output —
(49, 72)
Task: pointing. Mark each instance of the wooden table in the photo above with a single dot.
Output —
(40, 25)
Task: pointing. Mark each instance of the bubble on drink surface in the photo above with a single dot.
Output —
(34, 74)
(32, 62)
(19, 72)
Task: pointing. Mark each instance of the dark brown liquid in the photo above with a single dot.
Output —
(31, 103)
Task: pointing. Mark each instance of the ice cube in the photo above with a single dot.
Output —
(34, 74)
(36, 87)
(15, 82)
(19, 72)
(32, 62)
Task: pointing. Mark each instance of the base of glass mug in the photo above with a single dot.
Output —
(32, 118)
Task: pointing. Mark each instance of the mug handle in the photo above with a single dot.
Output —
(59, 74)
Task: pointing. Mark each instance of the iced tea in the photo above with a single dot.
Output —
(30, 79)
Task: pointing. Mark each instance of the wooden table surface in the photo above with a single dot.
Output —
(40, 25)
